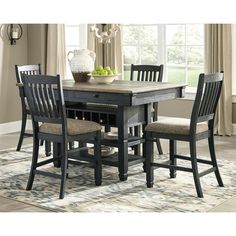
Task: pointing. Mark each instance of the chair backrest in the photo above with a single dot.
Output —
(28, 70)
(40, 93)
(151, 73)
(207, 97)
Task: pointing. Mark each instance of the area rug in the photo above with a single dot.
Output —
(167, 195)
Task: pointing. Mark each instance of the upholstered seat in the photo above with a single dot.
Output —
(74, 127)
(173, 125)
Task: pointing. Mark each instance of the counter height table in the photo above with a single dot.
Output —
(128, 103)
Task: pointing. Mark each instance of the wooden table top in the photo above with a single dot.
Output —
(119, 86)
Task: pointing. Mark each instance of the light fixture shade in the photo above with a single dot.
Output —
(14, 32)
(105, 36)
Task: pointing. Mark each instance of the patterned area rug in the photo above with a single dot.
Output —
(167, 195)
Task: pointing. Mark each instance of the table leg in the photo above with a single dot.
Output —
(148, 117)
(122, 143)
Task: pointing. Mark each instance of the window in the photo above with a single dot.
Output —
(179, 47)
(76, 38)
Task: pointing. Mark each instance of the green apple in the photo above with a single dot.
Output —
(104, 72)
(114, 71)
(99, 72)
(99, 68)
(107, 68)
(110, 72)
(94, 72)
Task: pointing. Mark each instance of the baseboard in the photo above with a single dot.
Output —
(12, 127)
(234, 129)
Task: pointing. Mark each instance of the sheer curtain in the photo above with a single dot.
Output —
(218, 57)
(56, 50)
(107, 54)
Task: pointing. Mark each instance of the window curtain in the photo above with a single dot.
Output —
(218, 57)
(55, 50)
(107, 54)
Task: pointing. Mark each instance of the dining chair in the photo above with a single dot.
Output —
(30, 70)
(199, 126)
(45, 107)
(148, 73)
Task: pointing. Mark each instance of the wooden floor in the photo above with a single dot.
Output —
(225, 149)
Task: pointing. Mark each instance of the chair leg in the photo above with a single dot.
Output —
(107, 129)
(56, 153)
(41, 142)
(22, 132)
(193, 156)
(63, 170)
(213, 159)
(48, 148)
(148, 155)
(71, 145)
(137, 132)
(131, 130)
(159, 148)
(98, 160)
(173, 160)
(34, 163)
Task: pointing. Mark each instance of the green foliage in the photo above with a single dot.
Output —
(140, 45)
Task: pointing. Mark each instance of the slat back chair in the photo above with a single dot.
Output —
(208, 93)
(45, 107)
(199, 126)
(29, 70)
(148, 73)
(42, 101)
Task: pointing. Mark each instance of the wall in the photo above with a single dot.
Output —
(10, 55)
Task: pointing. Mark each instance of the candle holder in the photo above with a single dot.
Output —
(14, 32)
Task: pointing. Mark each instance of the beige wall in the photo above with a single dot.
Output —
(10, 55)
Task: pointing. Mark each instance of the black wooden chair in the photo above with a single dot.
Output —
(149, 73)
(199, 126)
(55, 127)
(30, 70)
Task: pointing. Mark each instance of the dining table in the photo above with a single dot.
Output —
(121, 104)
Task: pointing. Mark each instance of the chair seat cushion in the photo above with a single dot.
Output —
(172, 125)
(74, 127)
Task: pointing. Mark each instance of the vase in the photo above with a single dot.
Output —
(81, 64)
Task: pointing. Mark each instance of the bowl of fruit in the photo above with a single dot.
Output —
(104, 75)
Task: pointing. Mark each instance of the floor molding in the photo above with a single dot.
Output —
(234, 129)
(12, 127)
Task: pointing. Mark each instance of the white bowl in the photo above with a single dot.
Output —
(104, 79)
